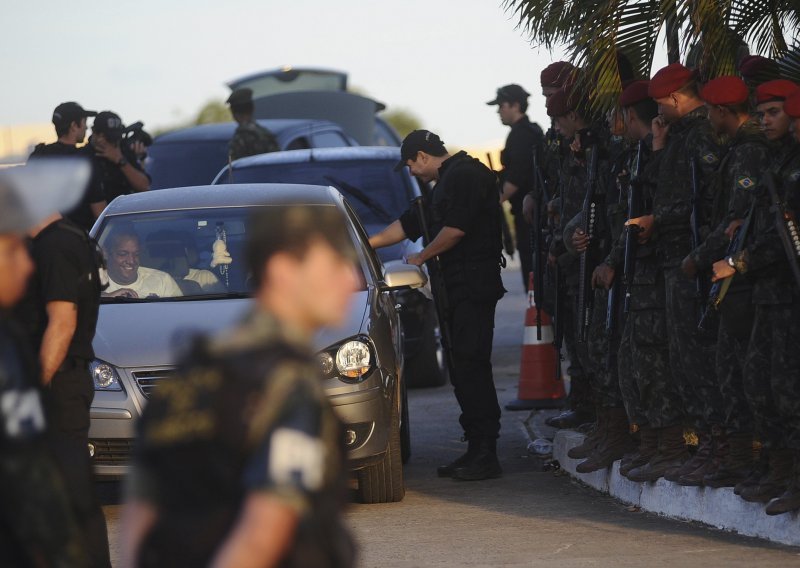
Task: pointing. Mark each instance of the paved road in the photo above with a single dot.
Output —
(527, 518)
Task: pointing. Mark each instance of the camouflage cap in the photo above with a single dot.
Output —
(241, 96)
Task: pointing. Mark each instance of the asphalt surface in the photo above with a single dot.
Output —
(529, 517)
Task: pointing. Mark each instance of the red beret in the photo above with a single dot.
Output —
(728, 90)
(792, 104)
(776, 90)
(635, 92)
(557, 74)
(669, 79)
(755, 66)
(562, 101)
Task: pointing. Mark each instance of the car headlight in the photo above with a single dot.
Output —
(105, 376)
(350, 361)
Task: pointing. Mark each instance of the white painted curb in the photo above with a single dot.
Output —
(719, 508)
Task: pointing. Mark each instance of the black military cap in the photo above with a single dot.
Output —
(240, 97)
(67, 113)
(110, 124)
(420, 141)
(510, 94)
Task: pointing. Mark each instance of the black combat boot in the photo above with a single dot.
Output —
(648, 446)
(483, 463)
(671, 453)
(705, 449)
(615, 444)
(719, 453)
(593, 439)
(447, 470)
(790, 500)
(781, 464)
(760, 469)
(570, 419)
(737, 466)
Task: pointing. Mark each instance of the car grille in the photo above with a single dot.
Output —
(112, 451)
(148, 380)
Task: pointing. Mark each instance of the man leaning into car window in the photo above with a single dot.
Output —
(126, 277)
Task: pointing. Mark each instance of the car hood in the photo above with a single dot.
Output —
(150, 334)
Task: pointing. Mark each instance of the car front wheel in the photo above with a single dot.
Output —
(383, 482)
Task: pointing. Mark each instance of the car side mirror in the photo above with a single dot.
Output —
(400, 276)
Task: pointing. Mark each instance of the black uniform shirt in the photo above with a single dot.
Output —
(67, 271)
(466, 198)
(113, 179)
(517, 159)
(247, 414)
(81, 214)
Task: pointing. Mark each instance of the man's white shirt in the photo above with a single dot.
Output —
(149, 282)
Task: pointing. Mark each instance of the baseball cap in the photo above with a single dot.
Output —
(419, 141)
(240, 97)
(510, 94)
(68, 112)
(110, 124)
(38, 189)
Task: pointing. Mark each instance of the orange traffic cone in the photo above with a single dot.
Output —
(538, 385)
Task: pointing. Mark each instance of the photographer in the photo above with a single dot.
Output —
(117, 161)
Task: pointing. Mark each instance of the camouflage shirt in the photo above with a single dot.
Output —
(251, 139)
(690, 138)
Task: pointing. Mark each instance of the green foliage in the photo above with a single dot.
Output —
(404, 121)
(595, 31)
(212, 112)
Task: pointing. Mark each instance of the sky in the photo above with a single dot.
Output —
(160, 61)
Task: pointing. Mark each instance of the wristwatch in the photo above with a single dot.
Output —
(122, 162)
(729, 260)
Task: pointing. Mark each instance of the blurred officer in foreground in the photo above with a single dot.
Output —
(37, 524)
(117, 162)
(240, 458)
(464, 218)
(59, 314)
(69, 120)
(250, 137)
(517, 161)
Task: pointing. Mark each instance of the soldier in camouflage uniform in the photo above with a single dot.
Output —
(250, 137)
(37, 523)
(728, 460)
(682, 134)
(772, 365)
(241, 456)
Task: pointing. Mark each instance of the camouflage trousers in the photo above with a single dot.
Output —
(602, 350)
(772, 375)
(692, 353)
(580, 369)
(735, 327)
(629, 390)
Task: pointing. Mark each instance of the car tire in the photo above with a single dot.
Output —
(383, 482)
(428, 367)
(405, 428)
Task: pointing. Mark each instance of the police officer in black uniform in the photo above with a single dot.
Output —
(464, 213)
(240, 458)
(69, 120)
(517, 160)
(117, 162)
(37, 523)
(59, 315)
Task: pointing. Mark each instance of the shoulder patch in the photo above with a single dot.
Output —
(745, 182)
(710, 158)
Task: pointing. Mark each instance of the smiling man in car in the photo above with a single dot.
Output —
(126, 277)
(240, 458)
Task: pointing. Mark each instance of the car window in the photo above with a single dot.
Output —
(299, 143)
(377, 193)
(329, 139)
(177, 255)
(375, 265)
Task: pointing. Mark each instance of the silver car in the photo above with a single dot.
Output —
(191, 279)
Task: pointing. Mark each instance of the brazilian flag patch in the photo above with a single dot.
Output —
(745, 182)
(710, 158)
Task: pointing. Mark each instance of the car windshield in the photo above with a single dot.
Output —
(181, 164)
(177, 255)
(377, 193)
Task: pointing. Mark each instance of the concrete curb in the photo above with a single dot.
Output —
(719, 508)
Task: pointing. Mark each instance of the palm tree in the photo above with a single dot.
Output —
(600, 33)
